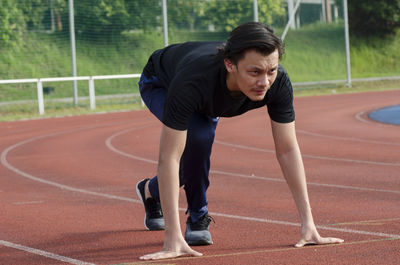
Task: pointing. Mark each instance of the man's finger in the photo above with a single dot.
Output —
(303, 242)
(330, 240)
(321, 241)
(194, 253)
(169, 254)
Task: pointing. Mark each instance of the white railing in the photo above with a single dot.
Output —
(39, 85)
(92, 98)
(342, 81)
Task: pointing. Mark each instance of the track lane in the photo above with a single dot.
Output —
(124, 168)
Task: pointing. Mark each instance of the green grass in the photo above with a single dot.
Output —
(50, 56)
(317, 52)
(376, 57)
(313, 53)
(356, 87)
(29, 110)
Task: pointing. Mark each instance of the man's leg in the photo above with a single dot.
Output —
(195, 168)
(195, 163)
(194, 171)
(153, 95)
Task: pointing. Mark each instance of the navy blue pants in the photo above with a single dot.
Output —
(195, 161)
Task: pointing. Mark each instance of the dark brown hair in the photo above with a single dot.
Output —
(248, 36)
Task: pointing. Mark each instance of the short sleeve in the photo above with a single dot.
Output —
(280, 103)
(183, 99)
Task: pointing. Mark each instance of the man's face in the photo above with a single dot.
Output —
(253, 75)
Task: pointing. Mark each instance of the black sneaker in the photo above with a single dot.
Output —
(197, 233)
(153, 219)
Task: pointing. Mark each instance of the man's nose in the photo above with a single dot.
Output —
(264, 81)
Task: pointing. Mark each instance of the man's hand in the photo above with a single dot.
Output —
(289, 157)
(172, 144)
(173, 249)
(310, 236)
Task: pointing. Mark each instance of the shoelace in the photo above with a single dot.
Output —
(211, 218)
(203, 222)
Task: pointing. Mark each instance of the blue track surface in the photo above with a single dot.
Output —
(387, 115)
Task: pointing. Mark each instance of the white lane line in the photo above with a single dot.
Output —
(375, 163)
(4, 162)
(111, 147)
(244, 218)
(359, 116)
(44, 253)
(108, 196)
(353, 139)
(262, 220)
(308, 183)
(30, 202)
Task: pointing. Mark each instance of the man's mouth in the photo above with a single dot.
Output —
(259, 91)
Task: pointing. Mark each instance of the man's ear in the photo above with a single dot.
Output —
(229, 65)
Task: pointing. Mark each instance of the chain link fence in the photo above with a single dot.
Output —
(114, 37)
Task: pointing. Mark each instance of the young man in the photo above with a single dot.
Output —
(187, 87)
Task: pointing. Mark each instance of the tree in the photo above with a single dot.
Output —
(374, 17)
(226, 15)
(12, 23)
(34, 11)
(101, 19)
(182, 13)
(144, 15)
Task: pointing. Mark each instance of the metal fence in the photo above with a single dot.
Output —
(85, 39)
(91, 83)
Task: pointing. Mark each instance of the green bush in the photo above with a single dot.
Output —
(12, 24)
(374, 17)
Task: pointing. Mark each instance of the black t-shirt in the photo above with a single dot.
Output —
(196, 82)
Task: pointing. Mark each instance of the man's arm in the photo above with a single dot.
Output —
(172, 144)
(289, 157)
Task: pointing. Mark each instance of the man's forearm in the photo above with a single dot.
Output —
(293, 170)
(168, 181)
(172, 143)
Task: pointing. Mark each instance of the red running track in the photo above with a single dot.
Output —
(67, 187)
